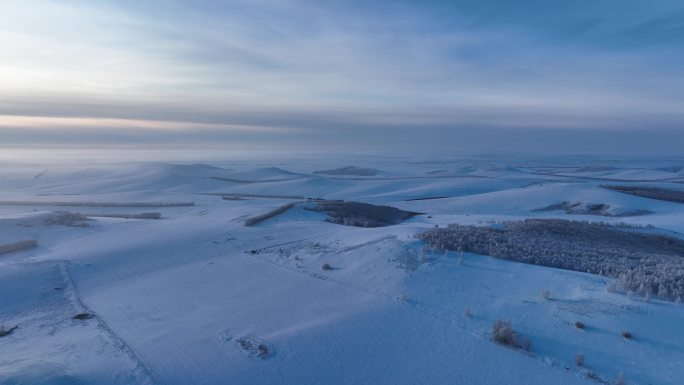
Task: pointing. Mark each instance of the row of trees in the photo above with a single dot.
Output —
(97, 204)
(659, 193)
(17, 246)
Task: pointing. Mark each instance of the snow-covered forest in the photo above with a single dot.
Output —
(644, 263)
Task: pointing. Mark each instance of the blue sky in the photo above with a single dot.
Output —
(335, 73)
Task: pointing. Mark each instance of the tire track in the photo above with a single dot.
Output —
(141, 372)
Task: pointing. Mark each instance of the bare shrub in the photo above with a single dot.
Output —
(579, 359)
(263, 351)
(626, 335)
(579, 324)
(466, 312)
(326, 266)
(621, 379)
(503, 333)
(255, 347)
(545, 294)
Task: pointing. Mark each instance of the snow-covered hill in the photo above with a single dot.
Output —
(196, 297)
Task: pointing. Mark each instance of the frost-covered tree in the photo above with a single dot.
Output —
(642, 263)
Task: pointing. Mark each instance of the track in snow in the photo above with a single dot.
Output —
(141, 374)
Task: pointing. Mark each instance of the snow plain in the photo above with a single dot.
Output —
(175, 299)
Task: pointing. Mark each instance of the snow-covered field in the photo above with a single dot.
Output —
(197, 297)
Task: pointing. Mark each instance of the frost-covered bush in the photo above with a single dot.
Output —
(503, 333)
(362, 214)
(644, 263)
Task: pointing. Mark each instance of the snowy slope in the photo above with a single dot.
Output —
(175, 300)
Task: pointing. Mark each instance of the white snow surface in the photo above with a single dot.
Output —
(175, 299)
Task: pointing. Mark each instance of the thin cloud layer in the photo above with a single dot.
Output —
(335, 71)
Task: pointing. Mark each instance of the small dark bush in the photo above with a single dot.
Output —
(579, 324)
(255, 347)
(326, 266)
(503, 333)
(5, 332)
(84, 316)
(579, 359)
(626, 335)
(263, 351)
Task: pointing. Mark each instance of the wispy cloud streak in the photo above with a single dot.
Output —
(341, 68)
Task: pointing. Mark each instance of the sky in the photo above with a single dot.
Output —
(461, 75)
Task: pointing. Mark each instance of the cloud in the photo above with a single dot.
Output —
(332, 69)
